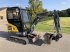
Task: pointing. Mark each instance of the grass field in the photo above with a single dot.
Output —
(47, 26)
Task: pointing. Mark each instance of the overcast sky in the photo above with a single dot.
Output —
(47, 4)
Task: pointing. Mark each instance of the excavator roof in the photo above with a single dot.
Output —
(11, 7)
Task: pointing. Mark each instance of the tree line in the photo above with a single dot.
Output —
(62, 13)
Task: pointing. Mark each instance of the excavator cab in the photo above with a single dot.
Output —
(18, 19)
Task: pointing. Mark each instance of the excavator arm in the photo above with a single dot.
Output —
(39, 17)
(36, 20)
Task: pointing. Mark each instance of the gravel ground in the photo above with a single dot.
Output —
(63, 45)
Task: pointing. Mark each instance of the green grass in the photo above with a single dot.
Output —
(48, 25)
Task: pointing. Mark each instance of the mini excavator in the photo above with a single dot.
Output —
(20, 22)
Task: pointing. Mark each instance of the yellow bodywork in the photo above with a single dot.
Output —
(12, 28)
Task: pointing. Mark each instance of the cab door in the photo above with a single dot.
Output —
(14, 20)
(25, 19)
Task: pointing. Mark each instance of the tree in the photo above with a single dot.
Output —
(63, 13)
(68, 12)
(35, 7)
(44, 10)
